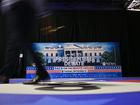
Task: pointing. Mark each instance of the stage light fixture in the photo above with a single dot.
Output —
(133, 5)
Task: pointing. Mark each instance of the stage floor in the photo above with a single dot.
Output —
(114, 91)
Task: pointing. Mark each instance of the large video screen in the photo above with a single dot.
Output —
(78, 60)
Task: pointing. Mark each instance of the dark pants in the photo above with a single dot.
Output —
(21, 30)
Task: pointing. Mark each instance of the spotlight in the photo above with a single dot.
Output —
(133, 5)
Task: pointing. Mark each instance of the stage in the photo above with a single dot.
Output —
(118, 91)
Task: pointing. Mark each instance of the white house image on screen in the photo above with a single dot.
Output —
(73, 55)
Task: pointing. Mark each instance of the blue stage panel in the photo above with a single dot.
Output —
(102, 99)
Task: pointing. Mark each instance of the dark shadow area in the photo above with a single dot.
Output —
(62, 86)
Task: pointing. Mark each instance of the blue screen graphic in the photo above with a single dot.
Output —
(78, 60)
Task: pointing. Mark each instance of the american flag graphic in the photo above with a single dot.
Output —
(92, 69)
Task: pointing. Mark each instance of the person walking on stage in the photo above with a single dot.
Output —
(21, 21)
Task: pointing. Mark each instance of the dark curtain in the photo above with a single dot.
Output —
(87, 26)
(132, 53)
(2, 39)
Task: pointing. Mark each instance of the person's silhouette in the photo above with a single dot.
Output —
(22, 17)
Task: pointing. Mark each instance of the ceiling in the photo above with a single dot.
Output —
(87, 4)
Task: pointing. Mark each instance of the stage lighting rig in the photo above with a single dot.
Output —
(133, 5)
